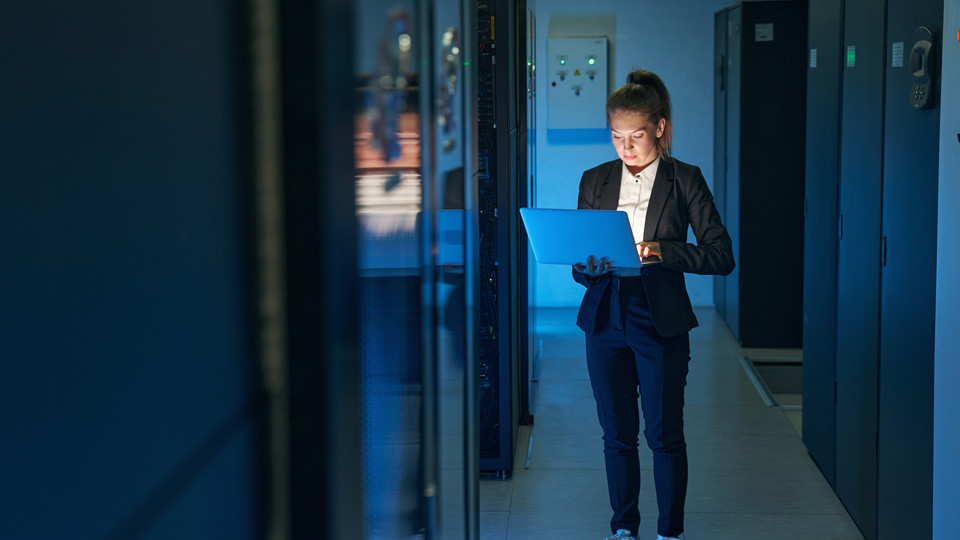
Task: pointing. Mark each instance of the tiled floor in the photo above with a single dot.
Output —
(750, 475)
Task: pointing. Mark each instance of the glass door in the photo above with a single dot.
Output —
(414, 208)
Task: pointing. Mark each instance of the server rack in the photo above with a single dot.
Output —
(526, 31)
(885, 303)
(501, 181)
(858, 270)
(908, 272)
(720, 51)
(822, 182)
(727, 154)
(762, 172)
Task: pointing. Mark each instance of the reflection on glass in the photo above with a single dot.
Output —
(412, 278)
(449, 264)
(389, 194)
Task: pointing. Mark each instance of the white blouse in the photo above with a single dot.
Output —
(635, 195)
(634, 199)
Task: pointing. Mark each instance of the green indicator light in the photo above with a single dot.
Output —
(851, 56)
(563, 61)
(592, 61)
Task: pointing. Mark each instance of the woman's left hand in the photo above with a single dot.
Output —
(648, 249)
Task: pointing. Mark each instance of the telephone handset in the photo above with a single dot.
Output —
(921, 63)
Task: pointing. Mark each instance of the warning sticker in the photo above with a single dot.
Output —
(897, 58)
(764, 32)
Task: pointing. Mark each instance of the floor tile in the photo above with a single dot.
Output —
(750, 474)
(723, 526)
(495, 495)
(796, 420)
(493, 525)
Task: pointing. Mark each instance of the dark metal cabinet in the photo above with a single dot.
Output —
(762, 173)
(885, 267)
(720, 141)
(503, 295)
(858, 271)
(821, 186)
(908, 279)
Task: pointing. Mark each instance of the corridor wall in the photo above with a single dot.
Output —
(685, 66)
(946, 429)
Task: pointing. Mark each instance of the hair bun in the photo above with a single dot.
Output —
(638, 76)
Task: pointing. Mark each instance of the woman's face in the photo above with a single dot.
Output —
(635, 138)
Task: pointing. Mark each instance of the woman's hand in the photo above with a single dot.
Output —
(648, 249)
(595, 268)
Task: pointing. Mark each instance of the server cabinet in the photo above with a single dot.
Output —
(763, 185)
(527, 129)
(858, 256)
(727, 155)
(447, 151)
(721, 81)
(501, 178)
(416, 207)
(820, 232)
(908, 271)
(886, 269)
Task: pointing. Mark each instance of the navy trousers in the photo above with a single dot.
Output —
(631, 363)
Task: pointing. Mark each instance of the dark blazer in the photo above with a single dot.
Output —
(680, 199)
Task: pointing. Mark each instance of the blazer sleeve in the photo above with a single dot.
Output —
(713, 253)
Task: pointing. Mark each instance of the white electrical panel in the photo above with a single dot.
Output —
(576, 83)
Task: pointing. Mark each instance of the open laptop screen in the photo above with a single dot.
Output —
(564, 236)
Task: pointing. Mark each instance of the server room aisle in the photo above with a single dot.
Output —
(750, 475)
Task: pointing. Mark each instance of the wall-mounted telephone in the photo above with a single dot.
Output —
(921, 65)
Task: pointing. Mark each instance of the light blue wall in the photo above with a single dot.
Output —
(674, 40)
(946, 429)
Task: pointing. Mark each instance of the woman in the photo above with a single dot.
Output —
(637, 321)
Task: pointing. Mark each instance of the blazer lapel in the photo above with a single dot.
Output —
(610, 189)
(662, 185)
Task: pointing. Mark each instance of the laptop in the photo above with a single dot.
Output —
(563, 236)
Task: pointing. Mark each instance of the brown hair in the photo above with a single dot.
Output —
(645, 93)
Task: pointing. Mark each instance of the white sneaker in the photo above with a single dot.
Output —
(622, 534)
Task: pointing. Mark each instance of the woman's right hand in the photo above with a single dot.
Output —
(595, 268)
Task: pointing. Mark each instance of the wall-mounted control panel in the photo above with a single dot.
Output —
(577, 83)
